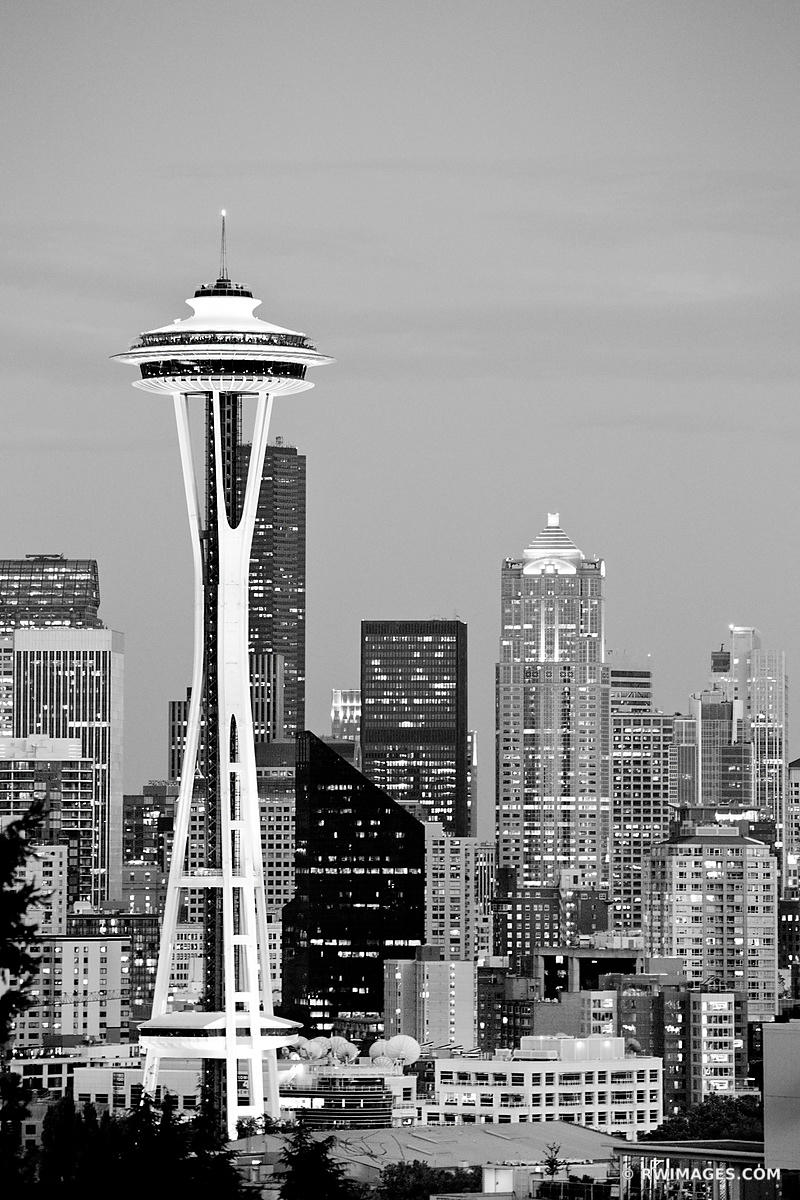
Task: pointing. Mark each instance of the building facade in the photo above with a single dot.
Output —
(68, 684)
(459, 889)
(55, 773)
(431, 998)
(346, 714)
(359, 894)
(757, 677)
(414, 742)
(641, 752)
(587, 1081)
(553, 714)
(45, 590)
(712, 902)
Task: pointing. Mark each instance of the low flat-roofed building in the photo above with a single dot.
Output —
(365, 1153)
(582, 1081)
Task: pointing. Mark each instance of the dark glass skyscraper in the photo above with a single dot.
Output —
(360, 894)
(414, 737)
(278, 574)
(48, 589)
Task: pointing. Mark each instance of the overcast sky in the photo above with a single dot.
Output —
(552, 246)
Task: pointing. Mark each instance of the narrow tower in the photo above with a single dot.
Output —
(215, 362)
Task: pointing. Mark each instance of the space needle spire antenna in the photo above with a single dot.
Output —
(223, 249)
(219, 360)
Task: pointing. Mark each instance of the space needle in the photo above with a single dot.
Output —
(223, 363)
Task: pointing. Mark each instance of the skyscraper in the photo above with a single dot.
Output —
(641, 753)
(552, 714)
(360, 894)
(459, 889)
(68, 683)
(48, 589)
(278, 574)
(216, 360)
(414, 742)
(41, 591)
(346, 714)
(757, 677)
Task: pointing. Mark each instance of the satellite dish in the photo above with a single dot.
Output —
(406, 1049)
(343, 1050)
(377, 1048)
(318, 1047)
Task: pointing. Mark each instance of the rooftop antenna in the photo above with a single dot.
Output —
(223, 253)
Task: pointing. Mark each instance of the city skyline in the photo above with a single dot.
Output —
(481, 803)
(629, 260)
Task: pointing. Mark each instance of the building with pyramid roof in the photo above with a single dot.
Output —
(553, 714)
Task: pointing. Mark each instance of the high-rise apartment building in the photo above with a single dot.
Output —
(711, 900)
(68, 684)
(641, 749)
(360, 894)
(55, 773)
(553, 715)
(459, 889)
(414, 736)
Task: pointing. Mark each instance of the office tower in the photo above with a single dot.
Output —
(459, 888)
(641, 747)
(346, 714)
(757, 677)
(55, 773)
(68, 684)
(359, 898)
(552, 714)
(504, 1006)
(42, 590)
(278, 574)
(726, 765)
(414, 716)
(793, 808)
(431, 998)
(215, 362)
(46, 590)
(525, 917)
(711, 899)
(529, 917)
(148, 818)
(266, 697)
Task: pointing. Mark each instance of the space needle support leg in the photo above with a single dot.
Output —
(245, 949)
(184, 801)
(259, 965)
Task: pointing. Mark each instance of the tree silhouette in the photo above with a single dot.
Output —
(417, 1181)
(719, 1117)
(312, 1174)
(18, 934)
(552, 1162)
